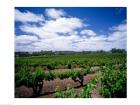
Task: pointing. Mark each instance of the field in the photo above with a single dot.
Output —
(77, 75)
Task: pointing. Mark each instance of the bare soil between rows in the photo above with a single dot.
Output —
(50, 86)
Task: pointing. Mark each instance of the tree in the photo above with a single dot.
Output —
(114, 50)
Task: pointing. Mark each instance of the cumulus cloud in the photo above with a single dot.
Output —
(52, 27)
(54, 13)
(68, 34)
(87, 32)
(118, 36)
(27, 16)
(121, 27)
(119, 32)
(25, 39)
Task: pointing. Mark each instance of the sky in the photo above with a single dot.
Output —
(70, 28)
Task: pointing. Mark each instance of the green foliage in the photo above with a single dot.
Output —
(113, 81)
(30, 79)
(76, 75)
(49, 76)
(71, 93)
(69, 66)
(50, 66)
(23, 77)
(68, 93)
(38, 74)
(79, 76)
(86, 92)
(81, 60)
(35, 78)
(112, 78)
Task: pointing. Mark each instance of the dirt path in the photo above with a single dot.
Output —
(95, 92)
(50, 86)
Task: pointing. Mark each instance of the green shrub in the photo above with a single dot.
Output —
(86, 92)
(71, 93)
(38, 77)
(50, 66)
(22, 77)
(113, 81)
(68, 93)
(50, 76)
(30, 79)
(69, 66)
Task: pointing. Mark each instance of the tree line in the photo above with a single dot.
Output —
(43, 53)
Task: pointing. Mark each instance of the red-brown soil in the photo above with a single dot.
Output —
(50, 86)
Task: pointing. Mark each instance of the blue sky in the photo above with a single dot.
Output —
(70, 28)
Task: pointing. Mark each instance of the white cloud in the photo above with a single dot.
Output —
(88, 32)
(119, 33)
(39, 31)
(75, 42)
(25, 39)
(54, 13)
(63, 25)
(121, 27)
(27, 16)
(119, 36)
(68, 33)
(52, 27)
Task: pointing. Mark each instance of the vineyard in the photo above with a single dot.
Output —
(83, 75)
